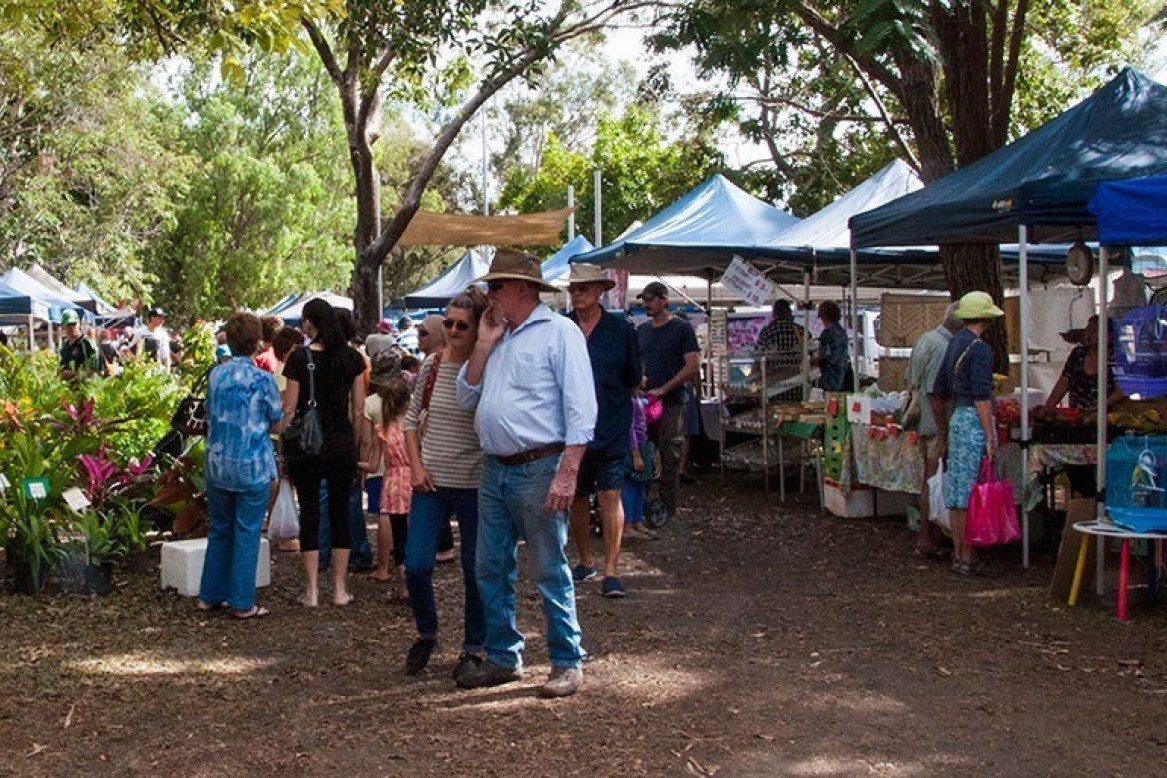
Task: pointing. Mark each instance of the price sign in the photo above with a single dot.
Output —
(35, 488)
(76, 499)
(749, 283)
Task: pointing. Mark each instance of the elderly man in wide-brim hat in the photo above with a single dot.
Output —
(530, 381)
(616, 369)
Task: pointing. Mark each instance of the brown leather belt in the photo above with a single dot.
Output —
(523, 457)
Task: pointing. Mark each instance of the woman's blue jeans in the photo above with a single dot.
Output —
(429, 513)
(233, 536)
(511, 506)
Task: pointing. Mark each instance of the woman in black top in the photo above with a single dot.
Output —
(340, 388)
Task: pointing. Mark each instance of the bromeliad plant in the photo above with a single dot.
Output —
(96, 437)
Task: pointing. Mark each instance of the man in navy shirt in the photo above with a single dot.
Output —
(616, 370)
(670, 356)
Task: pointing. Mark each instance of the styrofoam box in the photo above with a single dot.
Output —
(182, 565)
(864, 502)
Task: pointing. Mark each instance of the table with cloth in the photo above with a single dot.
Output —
(893, 461)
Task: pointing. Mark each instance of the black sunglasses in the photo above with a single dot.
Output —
(461, 326)
(648, 298)
(423, 333)
(494, 286)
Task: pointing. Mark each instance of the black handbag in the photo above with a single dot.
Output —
(191, 417)
(304, 436)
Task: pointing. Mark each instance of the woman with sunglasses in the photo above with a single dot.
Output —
(446, 461)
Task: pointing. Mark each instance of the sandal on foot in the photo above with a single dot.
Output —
(383, 578)
(208, 607)
(305, 602)
(342, 601)
(256, 612)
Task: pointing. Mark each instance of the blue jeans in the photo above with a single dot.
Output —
(429, 514)
(234, 520)
(360, 552)
(510, 507)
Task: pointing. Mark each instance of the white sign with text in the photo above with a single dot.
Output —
(746, 281)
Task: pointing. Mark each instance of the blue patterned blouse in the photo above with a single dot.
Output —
(242, 403)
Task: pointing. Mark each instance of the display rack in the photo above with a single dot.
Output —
(743, 378)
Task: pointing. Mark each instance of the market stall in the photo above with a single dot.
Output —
(1036, 189)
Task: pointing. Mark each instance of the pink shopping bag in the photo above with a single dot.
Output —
(992, 514)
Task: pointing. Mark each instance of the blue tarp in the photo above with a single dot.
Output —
(698, 233)
(16, 304)
(452, 282)
(26, 284)
(559, 263)
(1131, 213)
(1043, 180)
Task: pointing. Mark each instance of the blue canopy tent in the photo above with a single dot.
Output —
(698, 234)
(1043, 180)
(453, 281)
(17, 306)
(1131, 213)
(287, 301)
(26, 284)
(558, 264)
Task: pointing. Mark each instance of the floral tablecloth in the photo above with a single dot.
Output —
(893, 463)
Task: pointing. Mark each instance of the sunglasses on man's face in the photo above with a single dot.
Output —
(451, 324)
(494, 286)
(648, 298)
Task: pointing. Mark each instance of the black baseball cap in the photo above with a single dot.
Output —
(156, 311)
(654, 289)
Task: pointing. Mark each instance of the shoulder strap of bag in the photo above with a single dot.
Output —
(430, 378)
(960, 359)
(311, 378)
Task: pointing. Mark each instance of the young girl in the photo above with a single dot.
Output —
(638, 473)
(393, 519)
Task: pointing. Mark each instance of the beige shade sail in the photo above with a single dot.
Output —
(457, 229)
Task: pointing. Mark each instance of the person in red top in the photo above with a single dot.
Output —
(266, 359)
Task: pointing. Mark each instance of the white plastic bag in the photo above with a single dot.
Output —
(937, 510)
(285, 519)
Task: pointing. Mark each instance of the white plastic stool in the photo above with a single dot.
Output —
(182, 565)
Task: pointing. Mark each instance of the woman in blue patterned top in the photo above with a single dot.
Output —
(243, 408)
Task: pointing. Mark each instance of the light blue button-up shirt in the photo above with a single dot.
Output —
(242, 403)
(537, 388)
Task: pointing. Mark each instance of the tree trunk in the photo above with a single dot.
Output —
(977, 268)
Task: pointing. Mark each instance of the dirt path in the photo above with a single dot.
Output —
(758, 639)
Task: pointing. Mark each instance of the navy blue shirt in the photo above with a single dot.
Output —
(662, 353)
(616, 371)
(972, 380)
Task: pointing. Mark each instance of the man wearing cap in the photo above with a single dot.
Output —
(79, 354)
(616, 369)
(531, 382)
(153, 338)
(407, 335)
(670, 357)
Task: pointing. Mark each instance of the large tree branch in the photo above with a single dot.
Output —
(323, 50)
(866, 62)
(1004, 100)
(888, 120)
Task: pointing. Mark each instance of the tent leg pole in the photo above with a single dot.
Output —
(855, 336)
(1100, 454)
(1023, 284)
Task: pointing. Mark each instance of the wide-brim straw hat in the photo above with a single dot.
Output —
(977, 305)
(583, 273)
(511, 265)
